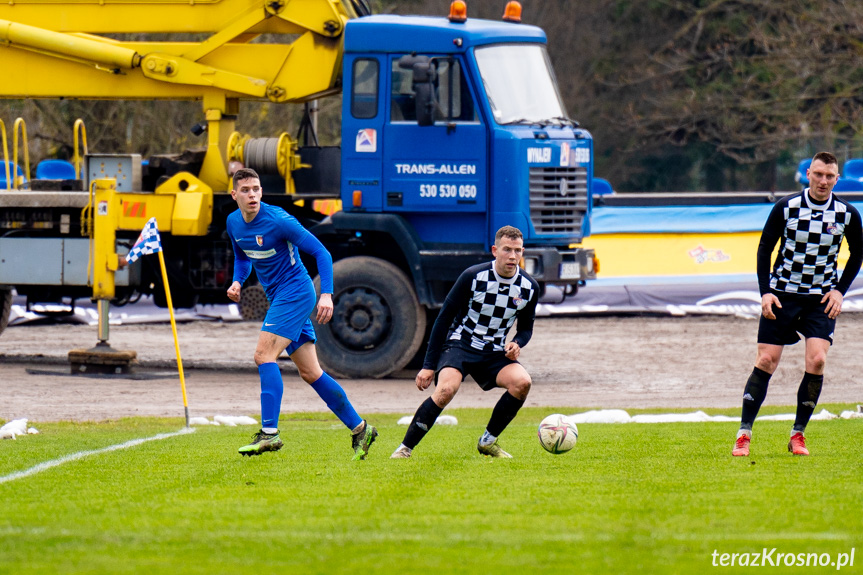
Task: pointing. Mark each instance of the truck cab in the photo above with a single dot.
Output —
(451, 129)
(497, 148)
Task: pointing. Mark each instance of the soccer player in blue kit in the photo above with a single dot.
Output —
(267, 238)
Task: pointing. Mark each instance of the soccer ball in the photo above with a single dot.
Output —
(557, 434)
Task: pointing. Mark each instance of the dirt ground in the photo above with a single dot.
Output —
(575, 362)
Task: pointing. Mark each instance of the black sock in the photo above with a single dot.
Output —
(753, 396)
(421, 423)
(506, 409)
(807, 399)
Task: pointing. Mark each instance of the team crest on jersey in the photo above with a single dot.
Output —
(259, 240)
(833, 230)
(517, 300)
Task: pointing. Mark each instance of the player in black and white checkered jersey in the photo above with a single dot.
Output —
(811, 236)
(492, 303)
(468, 338)
(801, 293)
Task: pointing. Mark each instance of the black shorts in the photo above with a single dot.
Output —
(483, 366)
(800, 315)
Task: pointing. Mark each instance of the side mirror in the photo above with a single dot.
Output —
(425, 76)
(407, 62)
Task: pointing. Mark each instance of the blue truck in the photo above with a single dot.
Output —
(449, 131)
(451, 128)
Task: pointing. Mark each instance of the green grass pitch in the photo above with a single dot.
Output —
(647, 498)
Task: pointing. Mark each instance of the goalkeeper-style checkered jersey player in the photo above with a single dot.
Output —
(469, 338)
(802, 292)
(268, 239)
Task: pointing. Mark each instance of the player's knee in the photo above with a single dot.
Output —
(766, 362)
(309, 373)
(444, 394)
(816, 362)
(521, 387)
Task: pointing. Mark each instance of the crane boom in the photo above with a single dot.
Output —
(45, 42)
(215, 51)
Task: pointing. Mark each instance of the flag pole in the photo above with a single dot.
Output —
(174, 330)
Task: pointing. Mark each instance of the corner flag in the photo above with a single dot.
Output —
(147, 243)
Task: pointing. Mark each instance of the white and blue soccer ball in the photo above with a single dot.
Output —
(557, 433)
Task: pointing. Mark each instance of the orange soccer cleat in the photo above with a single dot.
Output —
(797, 445)
(741, 446)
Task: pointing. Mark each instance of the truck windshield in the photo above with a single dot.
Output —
(520, 84)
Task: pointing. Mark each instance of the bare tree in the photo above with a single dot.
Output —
(679, 94)
(749, 79)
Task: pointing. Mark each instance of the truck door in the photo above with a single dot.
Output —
(361, 135)
(440, 169)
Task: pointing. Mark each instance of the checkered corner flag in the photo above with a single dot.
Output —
(147, 243)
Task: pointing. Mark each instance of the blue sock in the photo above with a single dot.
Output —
(271, 394)
(334, 396)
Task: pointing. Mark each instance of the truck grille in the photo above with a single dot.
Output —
(557, 208)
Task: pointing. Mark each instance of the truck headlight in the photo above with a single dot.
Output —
(530, 265)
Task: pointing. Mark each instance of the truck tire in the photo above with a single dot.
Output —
(5, 307)
(378, 323)
(253, 303)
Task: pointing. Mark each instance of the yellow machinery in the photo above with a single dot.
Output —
(214, 51)
(53, 49)
(422, 172)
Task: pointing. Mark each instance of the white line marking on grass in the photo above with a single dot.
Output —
(82, 454)
(787, 536)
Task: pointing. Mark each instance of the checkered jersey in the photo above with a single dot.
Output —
(810, 240)
(480, 309)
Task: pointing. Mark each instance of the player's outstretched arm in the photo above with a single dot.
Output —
(854, 239)
(454, 305)
(234, 292)
(769, 300)
(424, 379)
(325, 308)
(526, 317)
(313, 246)
(834, 300)
(773, 229)
(512, 350)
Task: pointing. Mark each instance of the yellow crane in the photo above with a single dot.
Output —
(219, 52)
(452, 127)
(214, 51)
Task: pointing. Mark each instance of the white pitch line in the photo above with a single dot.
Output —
(82, 454)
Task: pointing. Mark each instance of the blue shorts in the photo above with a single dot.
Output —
(288, 317)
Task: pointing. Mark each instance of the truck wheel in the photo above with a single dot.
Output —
(5, 307)
(253, 303)
(378, 324)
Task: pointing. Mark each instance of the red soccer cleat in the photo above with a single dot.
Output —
(797, 445)
(741, 446)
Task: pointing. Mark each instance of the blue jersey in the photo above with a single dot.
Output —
(271, 243)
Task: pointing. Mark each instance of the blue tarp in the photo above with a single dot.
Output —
(681, 219)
